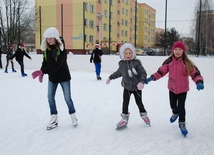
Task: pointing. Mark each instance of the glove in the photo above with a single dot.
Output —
(41, 78)
(108, 81)
(140, 86)
(90, 61)
(200, 86)
(148, 80)
(36, 74)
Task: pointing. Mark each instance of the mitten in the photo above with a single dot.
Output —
(36, 74)
(200, 86)
(148, 80)
(140, 86)
(41, 78)
(108, 81)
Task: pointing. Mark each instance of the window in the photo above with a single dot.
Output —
(105, 27)
(91, 24)
(86, 22)
(105, 13)
(91, 38)
(85, 6)
(91, 8)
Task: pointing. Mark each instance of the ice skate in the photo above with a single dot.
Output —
(145, 118)
(53, 122)
(123, 123)
(13, 70)
(99, 78)
(74, 119)
(182, 126)
(173, 118)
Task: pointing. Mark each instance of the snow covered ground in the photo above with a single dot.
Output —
(25, 113)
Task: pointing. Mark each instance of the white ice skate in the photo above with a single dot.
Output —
(53, 122)
(74, 119)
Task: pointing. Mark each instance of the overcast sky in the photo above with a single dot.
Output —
(180, 13)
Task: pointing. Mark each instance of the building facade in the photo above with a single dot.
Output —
(83, 23)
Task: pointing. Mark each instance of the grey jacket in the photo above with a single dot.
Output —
(128, 82)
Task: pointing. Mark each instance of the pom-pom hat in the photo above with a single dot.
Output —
(51, 32)
(125, 46)
(179, 44)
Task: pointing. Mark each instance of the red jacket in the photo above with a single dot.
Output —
(178, 81)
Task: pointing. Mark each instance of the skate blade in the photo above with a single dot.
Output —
(50, 128)
(121, 128)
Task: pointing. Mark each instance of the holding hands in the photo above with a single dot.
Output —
(148, 80)
(39, 74)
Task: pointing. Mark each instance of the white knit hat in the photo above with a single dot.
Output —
(51, 32)
(125, 46)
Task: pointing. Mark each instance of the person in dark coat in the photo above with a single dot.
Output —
(96, 58)
(19, 55)
(8, 57)
(55, 65)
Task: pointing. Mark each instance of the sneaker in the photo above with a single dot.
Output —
(173, 118)
(145, 118)
(182, 126)
(53, 122)
(124, 121)
(74, 119)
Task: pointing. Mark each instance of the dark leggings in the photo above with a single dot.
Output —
(138, 100)
(8, 60)
(177, 104)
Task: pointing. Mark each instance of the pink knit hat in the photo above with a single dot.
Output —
(179, 44)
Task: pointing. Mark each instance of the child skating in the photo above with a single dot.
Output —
(179, 67)
(133, 78)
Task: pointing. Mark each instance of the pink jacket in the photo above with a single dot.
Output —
(178, 81)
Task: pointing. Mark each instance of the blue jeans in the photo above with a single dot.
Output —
(97, 68)
(66, 88)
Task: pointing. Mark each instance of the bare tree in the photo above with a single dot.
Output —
(206, 27)
(16, 18)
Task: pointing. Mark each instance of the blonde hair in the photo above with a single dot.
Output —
(189, 64)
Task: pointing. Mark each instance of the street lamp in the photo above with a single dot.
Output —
(99, 16)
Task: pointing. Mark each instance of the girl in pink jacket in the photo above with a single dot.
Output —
(179, 67)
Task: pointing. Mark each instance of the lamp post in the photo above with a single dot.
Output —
(165, 28)
(99, 16)
(0, 36)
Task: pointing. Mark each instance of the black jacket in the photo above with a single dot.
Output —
(19, 54)
(96, 55)
(55, 65)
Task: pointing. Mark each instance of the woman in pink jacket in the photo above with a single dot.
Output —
(179, 67)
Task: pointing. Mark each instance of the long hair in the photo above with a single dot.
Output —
(57, 45)
(189, 64)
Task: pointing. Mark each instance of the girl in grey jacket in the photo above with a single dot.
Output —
(133, 78)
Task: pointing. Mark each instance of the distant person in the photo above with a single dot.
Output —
(19, 55)
(133, 78)
(179, 67)
(1, 52)
(8, 58)
(55, 65)
(96, 57)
